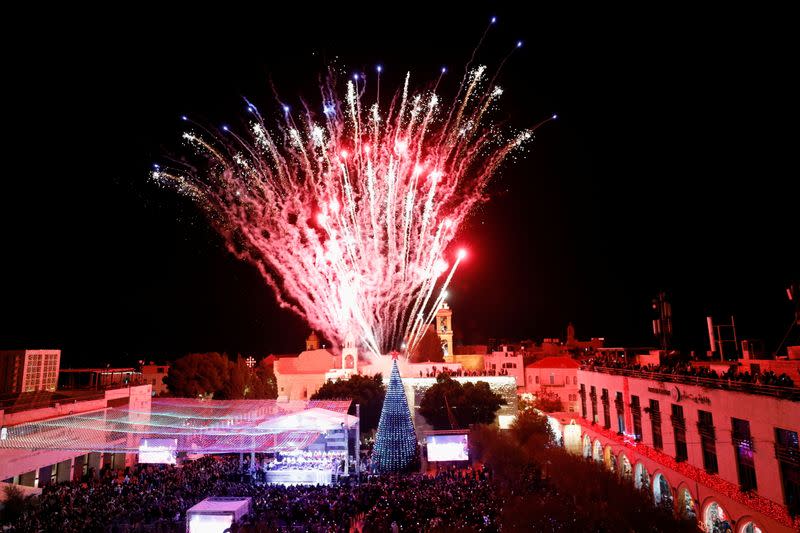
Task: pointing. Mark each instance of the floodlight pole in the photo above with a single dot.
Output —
(346, 426)
(358, 443)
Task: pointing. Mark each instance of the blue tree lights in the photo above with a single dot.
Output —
(396, 443)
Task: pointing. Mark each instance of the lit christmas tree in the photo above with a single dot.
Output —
(396, 443)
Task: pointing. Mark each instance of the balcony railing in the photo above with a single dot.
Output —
(787, 393)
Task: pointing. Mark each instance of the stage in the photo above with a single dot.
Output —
(299, 477)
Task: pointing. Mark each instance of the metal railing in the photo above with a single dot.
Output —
(787, 393)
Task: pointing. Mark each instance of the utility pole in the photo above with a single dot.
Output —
(793, 293)
(358, 443)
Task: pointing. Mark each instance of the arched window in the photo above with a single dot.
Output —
(641, 479)
(686, 505)
(587, 446)
(625, 469)
(751, 527)
(716, 519)
(661, 491)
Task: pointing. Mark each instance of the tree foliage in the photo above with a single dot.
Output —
(250, 384)
(198, 374)
(532, 430)
(548, 489)
(429, 348)
(264, 385)
(549, 402)
(213, 375)
(471, 403)
(13, 505)
(366, 391)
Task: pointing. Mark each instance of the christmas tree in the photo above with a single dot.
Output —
(396, 443)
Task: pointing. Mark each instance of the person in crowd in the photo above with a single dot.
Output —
(156, 498)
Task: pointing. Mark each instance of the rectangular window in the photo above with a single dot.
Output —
(619, 404)
(593, 396)
(582, 392)
(575, 380)
(655, 424)
(679, 432)
(606, 410)
(552, 379)
(537, 380)
(636, 411)
(787, 451)
(708, 441)
(743, 450)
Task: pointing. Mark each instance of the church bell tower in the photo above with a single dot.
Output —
(312, 342)
(444, 328)
(350, 355)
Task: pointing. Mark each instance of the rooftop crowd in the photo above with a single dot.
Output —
(156, 498)
(689, 370)
(435, 372)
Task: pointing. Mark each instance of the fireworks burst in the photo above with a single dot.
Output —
(348, 213)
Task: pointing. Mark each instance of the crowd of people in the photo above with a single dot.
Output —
(434, 372)
(155, 499)
(732, 374)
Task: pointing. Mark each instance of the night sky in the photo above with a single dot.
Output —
(673, 167)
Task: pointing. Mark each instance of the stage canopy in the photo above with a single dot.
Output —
(198, 426)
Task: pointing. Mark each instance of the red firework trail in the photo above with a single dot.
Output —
(348, 213)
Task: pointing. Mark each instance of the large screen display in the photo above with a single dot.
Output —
(159, 451)
(448, 448)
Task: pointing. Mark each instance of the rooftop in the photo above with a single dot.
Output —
(728, 383)
(24, 401)
(555, 362)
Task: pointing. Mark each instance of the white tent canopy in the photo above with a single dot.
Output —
(198, 426)
(316, 419)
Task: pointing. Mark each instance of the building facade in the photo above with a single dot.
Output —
(299, 377)
(554, 376)
(29, 370)
(154, 375)
(506, 361)
(725, 454)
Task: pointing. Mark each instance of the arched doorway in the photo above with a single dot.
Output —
(597, 453)
(641, 479)
(686, 505)
(750, 527)
(587, 446)
(625, 469)
(609, 460)
(661, 491)
(716, 519)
